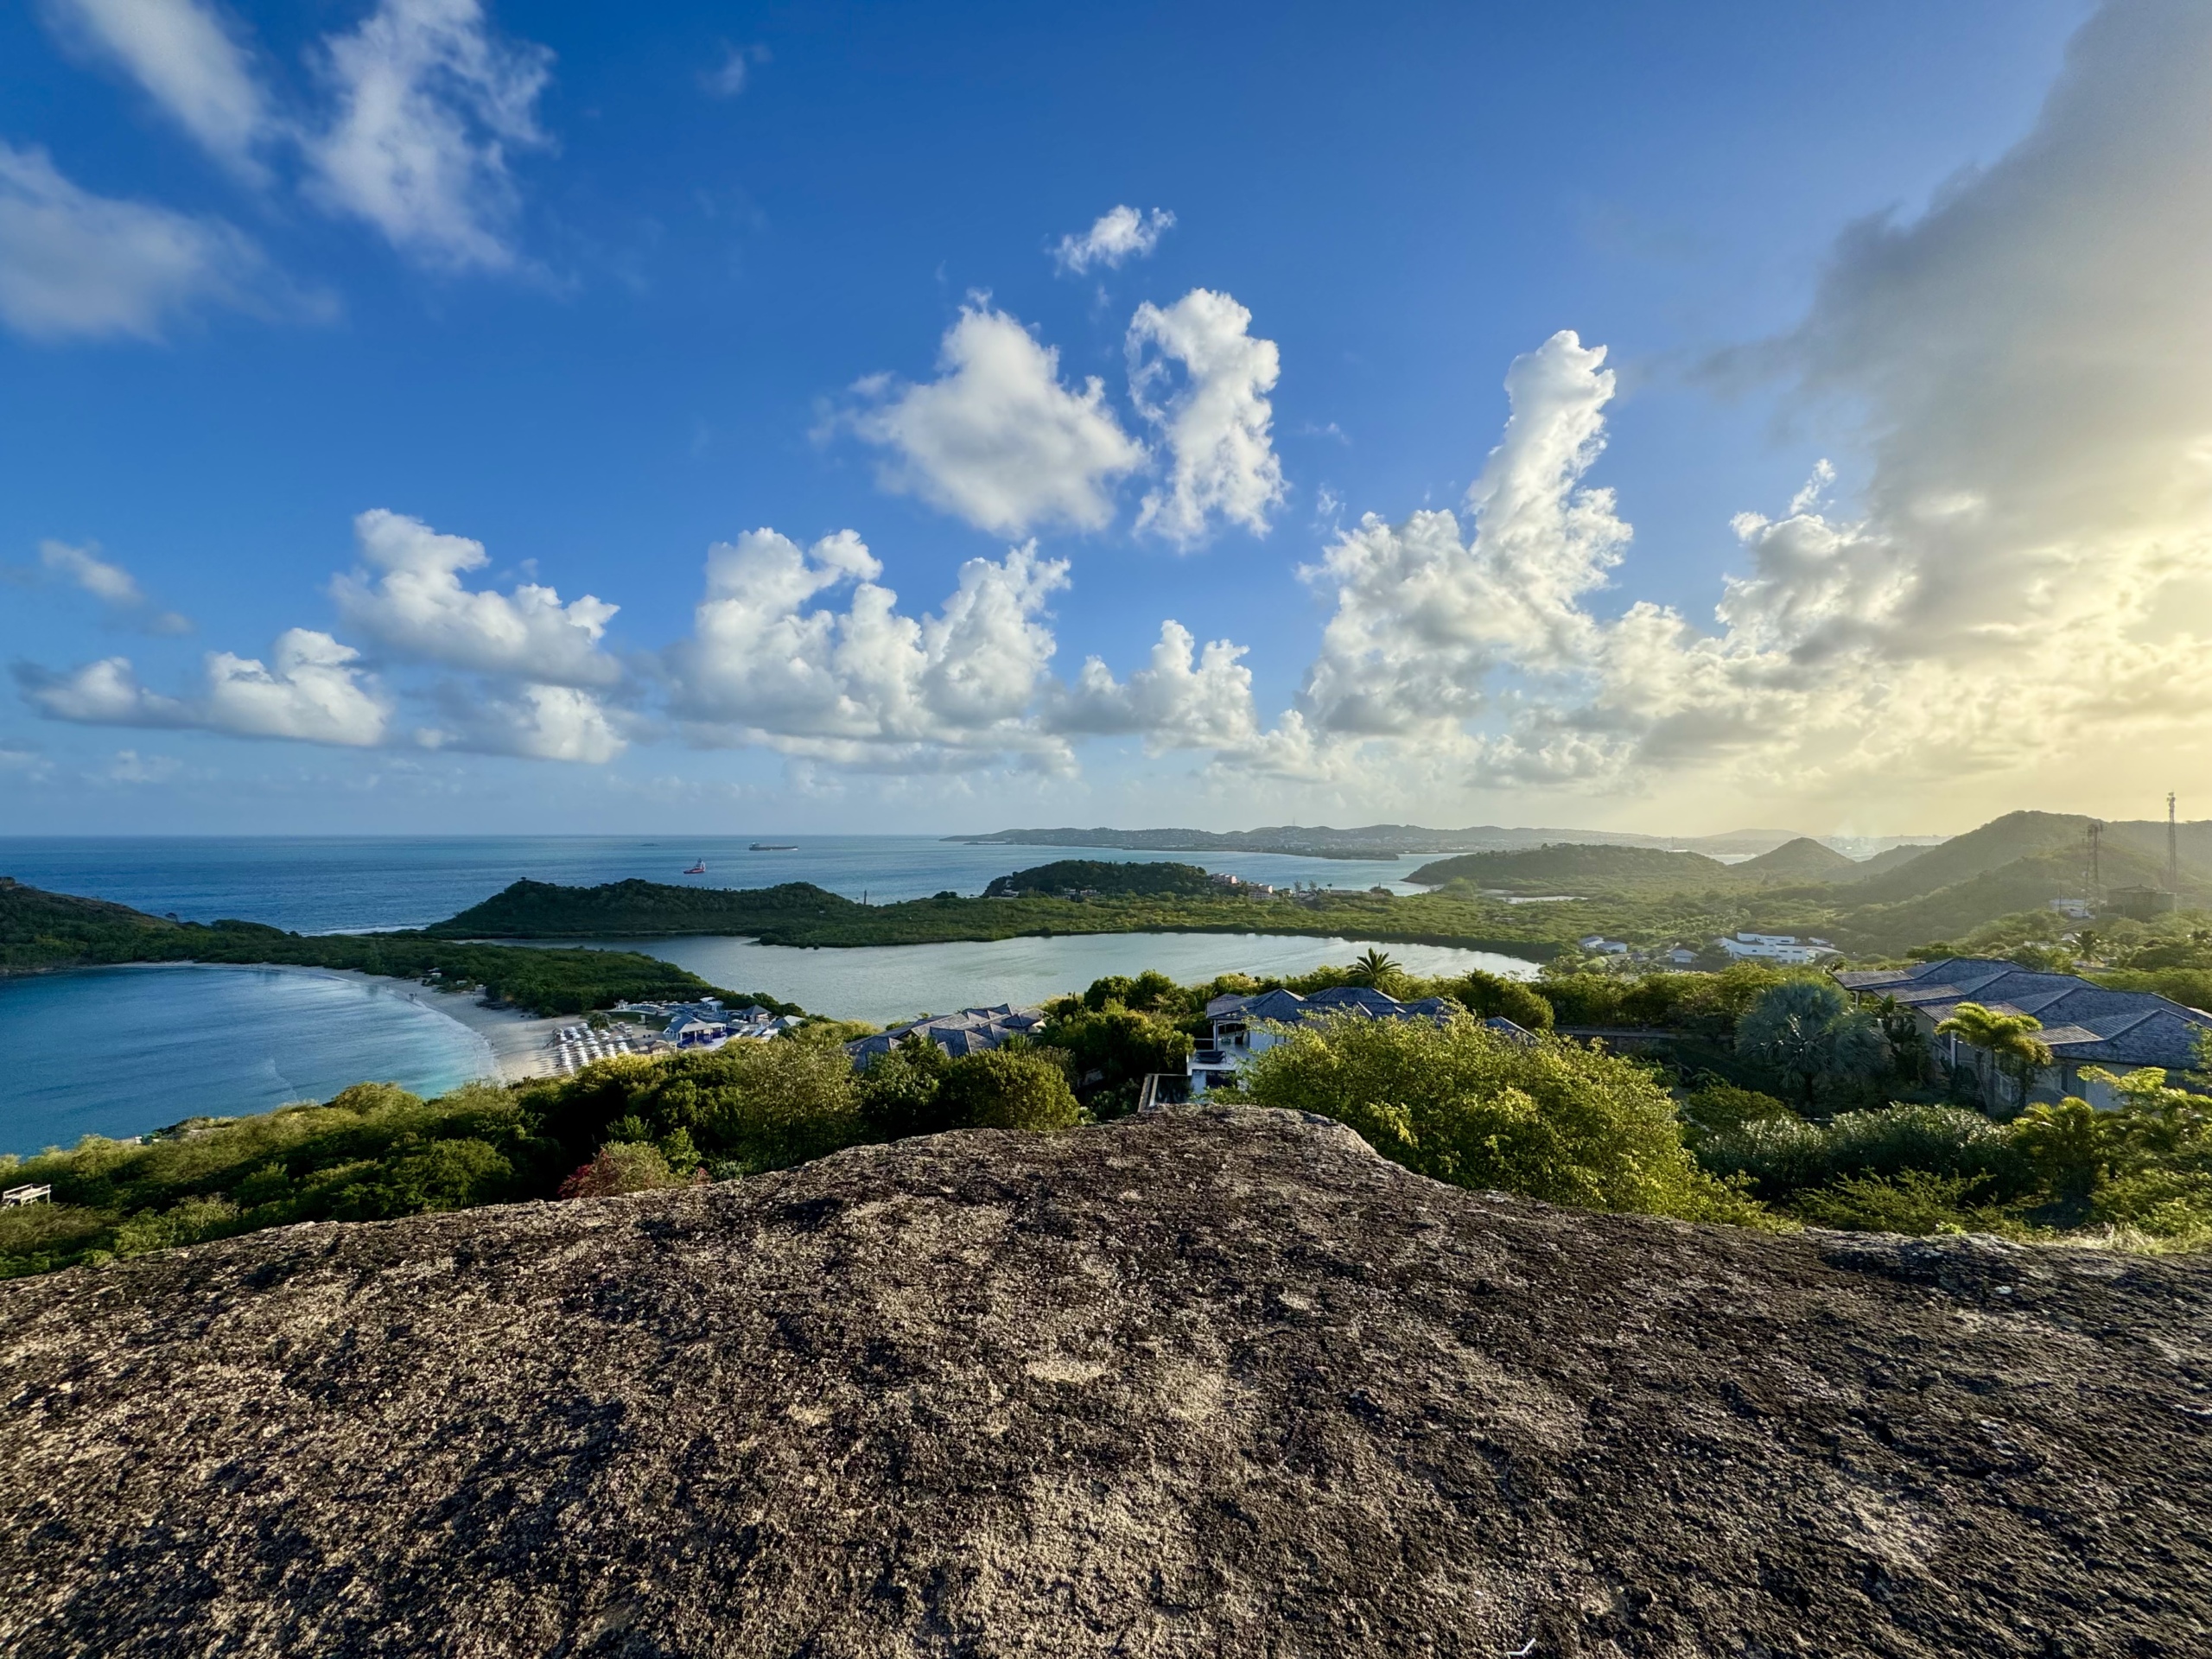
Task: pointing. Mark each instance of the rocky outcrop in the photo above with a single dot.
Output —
(1216, 1382)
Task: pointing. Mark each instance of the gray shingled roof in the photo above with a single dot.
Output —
(971, 1031)
(2084, 1023)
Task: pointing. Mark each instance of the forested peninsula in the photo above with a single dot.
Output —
(42, 931)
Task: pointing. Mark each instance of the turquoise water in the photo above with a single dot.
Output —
(336, 884)
(120, 1051)
(883, 984)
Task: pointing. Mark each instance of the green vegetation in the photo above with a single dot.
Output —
(40, 931)
(1098, 877)
(2139, 1176)
(1806, 1031)
(1457, 1102)
(621, 1126)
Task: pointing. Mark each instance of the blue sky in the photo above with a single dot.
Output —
(599, 292)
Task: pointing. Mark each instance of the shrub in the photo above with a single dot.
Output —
(188, 1223)
(2169, 1204)
(1458, 1103)
(1781, 1157)
(1112, 1051)
(1009, 1087)
(1493, 995)
(749, 1106)
(1722, 1108)
(618, 1167)
(1912, 1201)
(899, 1091)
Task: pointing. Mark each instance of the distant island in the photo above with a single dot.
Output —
(1372, 841)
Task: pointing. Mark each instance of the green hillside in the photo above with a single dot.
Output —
(1103, 876)
(2024, 884)
(1803, 859)
(543, 910)
(2148, 837)
(41, 932)
(1881, 864)
(1567, 865)
(1995, 844)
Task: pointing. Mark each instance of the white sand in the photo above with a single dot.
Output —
(521, 1043)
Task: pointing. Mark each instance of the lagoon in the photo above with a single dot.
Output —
(884, 983)
(121, 1051)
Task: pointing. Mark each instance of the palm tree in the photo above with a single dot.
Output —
(2002, 1037)
(1372, 968)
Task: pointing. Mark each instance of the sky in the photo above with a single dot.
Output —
(423, 415)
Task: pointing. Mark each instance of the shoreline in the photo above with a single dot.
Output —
(519, 1044)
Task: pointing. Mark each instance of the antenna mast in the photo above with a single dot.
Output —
(2173, 848)
(2096, 868)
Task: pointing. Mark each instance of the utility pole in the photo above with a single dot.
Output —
(2096, 869)
(2173, 848)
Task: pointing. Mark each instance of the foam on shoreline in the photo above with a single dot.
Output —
(521, 1043)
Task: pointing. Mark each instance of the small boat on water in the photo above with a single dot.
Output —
(774, 847)
(700, 868)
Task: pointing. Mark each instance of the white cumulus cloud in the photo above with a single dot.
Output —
(997, 439)
(768, 663)
(429, 101)
(539, 722)
(1183, 698)
(77, 265)
(1215, 422)
(309, 689)
(1423, 615)
(416, 606)
(1120, 234)
(185, 57)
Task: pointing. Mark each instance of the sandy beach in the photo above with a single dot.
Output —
(521, 1043)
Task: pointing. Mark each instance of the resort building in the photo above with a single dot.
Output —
(1246, 1025)
(971, 1031)
(2084, 1024)
(1786, 948)
(708, 1025)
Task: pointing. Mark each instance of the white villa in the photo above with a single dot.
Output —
(1787, 948)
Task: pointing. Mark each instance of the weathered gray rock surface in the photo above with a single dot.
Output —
(1220, 1381)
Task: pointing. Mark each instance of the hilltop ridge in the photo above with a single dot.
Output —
(1220, 1381)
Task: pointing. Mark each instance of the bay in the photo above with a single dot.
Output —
(341, 884)
(122, 1051)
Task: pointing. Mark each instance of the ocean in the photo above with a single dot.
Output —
(120, 1051)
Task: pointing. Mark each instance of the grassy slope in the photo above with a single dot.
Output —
(40, 931)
